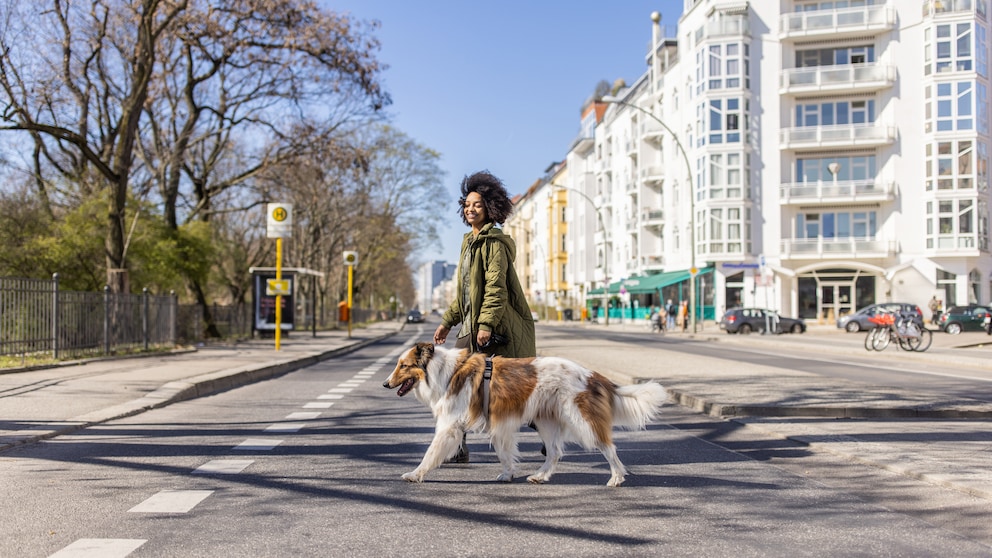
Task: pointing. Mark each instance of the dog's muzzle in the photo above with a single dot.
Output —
(405, 387)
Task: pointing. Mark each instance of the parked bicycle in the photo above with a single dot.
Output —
(901, 328)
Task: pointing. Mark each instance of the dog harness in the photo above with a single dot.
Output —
(487, 375)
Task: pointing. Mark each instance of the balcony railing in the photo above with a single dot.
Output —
(653, 217)
(838, 79)
(843, 135)
(652, 263)
(846, 247)
(844, 191)
(653, 174)
(844, 21)
(936, 7)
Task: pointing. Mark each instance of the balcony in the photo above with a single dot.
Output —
(842, 191)
(852, 78)
(836, 24)
(653, 218)
(834, 248)
(632, 224)
(632, 187)
(729, 26)
(838, 136)
(652, 175)
(938, 7)
(652, 132)
(630, 147)
(652, 263)
(583, 143)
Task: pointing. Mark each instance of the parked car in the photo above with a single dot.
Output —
(956, 319)
(414, 317)
(746, 320)
(861, 320)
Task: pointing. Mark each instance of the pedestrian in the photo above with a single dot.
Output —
(684, 315)
(934, 310)
(656, 320)
(489, 301)
(671, 314)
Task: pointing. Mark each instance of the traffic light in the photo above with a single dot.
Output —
(350, 258)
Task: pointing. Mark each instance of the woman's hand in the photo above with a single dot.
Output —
(441, 334)
(482, 338)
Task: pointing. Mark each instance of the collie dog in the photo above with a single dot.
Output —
(567, 403)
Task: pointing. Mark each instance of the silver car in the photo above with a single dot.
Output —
(859, 321)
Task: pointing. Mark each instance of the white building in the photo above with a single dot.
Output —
(808, 156)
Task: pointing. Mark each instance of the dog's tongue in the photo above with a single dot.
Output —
(405, 388)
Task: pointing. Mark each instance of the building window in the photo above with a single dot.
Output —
(954, 166)
(842, 224)
(953, 226)
(726, 176)
(835, 113)
(723, 231)
(835, 56)
(726, 121)
(856, 168)
(725, 66)
(974, 287)
(948, 283)
(954, 106)
(953, 44)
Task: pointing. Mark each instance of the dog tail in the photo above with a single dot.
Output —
(636, 405)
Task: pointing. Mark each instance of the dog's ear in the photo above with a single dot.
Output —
(425, 351)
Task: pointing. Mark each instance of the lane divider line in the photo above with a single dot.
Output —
(172, 501)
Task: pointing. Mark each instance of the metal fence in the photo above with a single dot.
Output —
(36, 318)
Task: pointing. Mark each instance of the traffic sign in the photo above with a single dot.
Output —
(350, 257)
(275, 287)
(279, 220)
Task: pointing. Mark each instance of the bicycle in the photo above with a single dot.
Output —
(902, 329)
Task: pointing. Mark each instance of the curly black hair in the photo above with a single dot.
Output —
(499, 207)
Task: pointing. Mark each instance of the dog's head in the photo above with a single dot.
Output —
(410, 369)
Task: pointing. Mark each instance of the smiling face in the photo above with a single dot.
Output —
(475, 211)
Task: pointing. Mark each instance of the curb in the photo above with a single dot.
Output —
(192, 388)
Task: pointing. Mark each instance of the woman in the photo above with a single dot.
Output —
(489, 301)
(489, 298)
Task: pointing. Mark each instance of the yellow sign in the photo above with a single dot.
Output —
(693, 271)
(274, 287)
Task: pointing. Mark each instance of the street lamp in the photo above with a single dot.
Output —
(692, 203)
(606, 252)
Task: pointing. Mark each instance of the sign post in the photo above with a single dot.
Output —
(279, 224)
(350, 260)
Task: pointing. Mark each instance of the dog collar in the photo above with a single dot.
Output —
(487, 375)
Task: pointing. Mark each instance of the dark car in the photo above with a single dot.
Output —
(414, 317)
(746, 320)
(861, 320)
(963, 318)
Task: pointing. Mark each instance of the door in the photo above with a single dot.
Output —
(835, 300)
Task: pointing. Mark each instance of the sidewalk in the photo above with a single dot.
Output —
(948, 443)
(43, 403)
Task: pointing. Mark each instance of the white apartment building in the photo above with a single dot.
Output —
(811, 156)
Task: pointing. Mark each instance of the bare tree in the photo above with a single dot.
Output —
(75, 78)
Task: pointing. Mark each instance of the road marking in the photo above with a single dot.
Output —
(302, 416)
(286, 427)
(223, 467)
(352, 383)
(340, 390)
(257, 444)
(172, 501)
(100, 548)
(317, 405)
(330, 396)
(365, 374)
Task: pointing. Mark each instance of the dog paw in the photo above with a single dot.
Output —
(412, 476)
(616, 481)
(537, 479)
(505, 477)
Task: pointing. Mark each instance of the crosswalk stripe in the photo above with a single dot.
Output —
(340, 390)
(302, 416)
(318, 405)
(223, 466)
(257, 444)
(172, 501)
(100, 548)
(330, 396)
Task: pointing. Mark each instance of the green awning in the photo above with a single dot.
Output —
(646, 284)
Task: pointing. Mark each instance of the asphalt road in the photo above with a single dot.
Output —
(309, 464)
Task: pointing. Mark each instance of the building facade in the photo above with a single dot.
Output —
(809, 156)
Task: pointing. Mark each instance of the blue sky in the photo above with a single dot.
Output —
(498, 85)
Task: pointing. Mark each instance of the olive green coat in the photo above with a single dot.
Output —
(498, 303)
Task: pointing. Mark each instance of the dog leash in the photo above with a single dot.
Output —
(486, 377)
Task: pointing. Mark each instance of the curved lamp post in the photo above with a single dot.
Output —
(692, 203)
(606, 253)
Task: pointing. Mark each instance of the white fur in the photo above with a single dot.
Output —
(559, 382)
